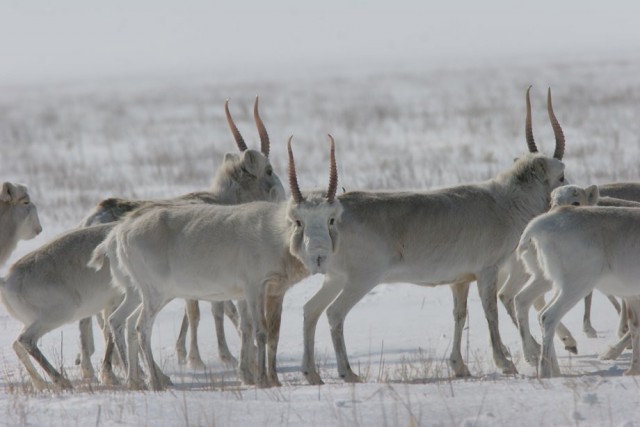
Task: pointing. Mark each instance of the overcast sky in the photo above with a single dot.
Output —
(70, 39)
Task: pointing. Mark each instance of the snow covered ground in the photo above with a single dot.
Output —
(421, 127)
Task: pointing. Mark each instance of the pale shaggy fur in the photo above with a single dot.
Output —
(52, 286)
(251, 252)
(513, 275)
(580, 249)
(451, 236)
(242, 177)
(454, 235)
(531, 288)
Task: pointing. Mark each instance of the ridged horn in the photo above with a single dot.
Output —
(234, 130)
(528, 128)
(557, 130)
(293, 178)
(264, 136)
(333, 173)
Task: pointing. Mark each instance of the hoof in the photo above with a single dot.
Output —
(350, 377)
(459, 369)
(247, 379)
(158, 387)
(165, 381)
(462, 372)
(313, 378)
(263, 382)
(229, 360)
(274, 381)
(572, 349)
(136, 385)
(64, 384)
(509, 369)
(181, 354)
(590, 333)
(88, 376)
(611, 354)
(197, 364)
(109, 379)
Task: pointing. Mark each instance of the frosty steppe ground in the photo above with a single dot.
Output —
(75, 144)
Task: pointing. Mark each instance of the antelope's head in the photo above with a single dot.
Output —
(249, 174)
(546, 169)
(313, 218)
(575, 196)
(17, 212)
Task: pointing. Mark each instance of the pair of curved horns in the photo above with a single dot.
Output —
(557, 130)
(333, 174)
(262, 130)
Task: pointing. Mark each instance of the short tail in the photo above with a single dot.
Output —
(99, 254)
(525, 243)
(528, 251)
(97, 258)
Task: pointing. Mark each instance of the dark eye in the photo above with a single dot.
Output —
(269, 172)
(331, 221)
(298, 223)
(562, 178)
(575, 204)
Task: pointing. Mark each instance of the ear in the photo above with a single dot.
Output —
(252, 160)
(540, 166)
(230, 157)
(593, 194)
(8, 190)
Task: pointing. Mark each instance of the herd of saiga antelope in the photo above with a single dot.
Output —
(243, 240)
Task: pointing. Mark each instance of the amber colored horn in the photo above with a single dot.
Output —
(234, 130)
(528, 128)
(557, 130)
(264, 136)
(293, 179)
(333, 173)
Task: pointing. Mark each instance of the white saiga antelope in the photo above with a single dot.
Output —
(618, 194)
(514, 275)
(535, 286)
(241, 178)
(52, 286)
(252, 252)
(18, 218)
(581, 249)
(451, 236)
(615, 191)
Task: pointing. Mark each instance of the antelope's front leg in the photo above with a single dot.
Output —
(256, 302)
(86, 348)
(312, 311)
(218, 310)
(247, 356)
(353, 292)
(273, 321)
(193, 314)
(487, 288)
(460, 293)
